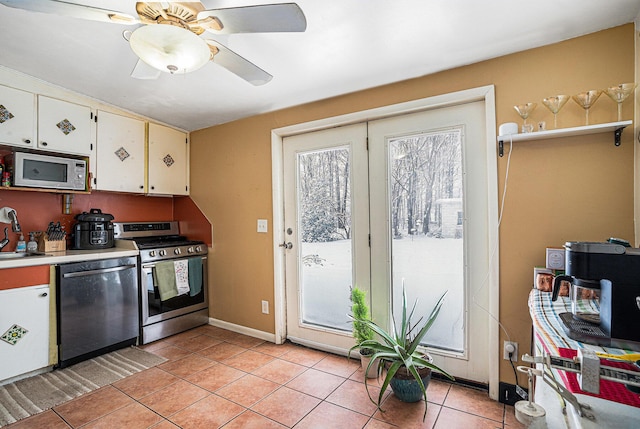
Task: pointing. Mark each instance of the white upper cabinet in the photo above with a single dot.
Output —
(17, 117)
(123, 155)
(64, 127)
(120, 162)
(168, 160)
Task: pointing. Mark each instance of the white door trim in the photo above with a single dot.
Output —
(484, 93)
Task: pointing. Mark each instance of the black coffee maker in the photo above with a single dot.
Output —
(616, 269)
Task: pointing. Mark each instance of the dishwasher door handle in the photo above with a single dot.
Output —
(100, 271)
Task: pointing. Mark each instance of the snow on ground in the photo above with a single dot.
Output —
(429, 266)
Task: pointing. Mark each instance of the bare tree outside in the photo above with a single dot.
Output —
(324, 210)
(425, 169)
(324, 195)
(425, 181)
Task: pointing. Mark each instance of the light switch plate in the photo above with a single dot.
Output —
(262, 225)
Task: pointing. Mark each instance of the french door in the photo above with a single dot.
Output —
(326, 233)
(429, 229)
(408, 212)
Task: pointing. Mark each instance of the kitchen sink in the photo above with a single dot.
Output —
(14, 255)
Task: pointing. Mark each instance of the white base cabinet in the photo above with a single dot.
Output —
(24, 329)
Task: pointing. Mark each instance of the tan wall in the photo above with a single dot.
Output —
(578, 188)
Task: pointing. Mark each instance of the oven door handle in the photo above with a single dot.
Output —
(100, 271)
(149, 266)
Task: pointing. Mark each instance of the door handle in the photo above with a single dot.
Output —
(287, 245)
(99, 271)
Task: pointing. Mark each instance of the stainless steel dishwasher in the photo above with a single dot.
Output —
(97, 303)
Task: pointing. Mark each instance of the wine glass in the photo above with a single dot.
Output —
(524, 110)
(554, 104)
(619, 93)
(586, 100)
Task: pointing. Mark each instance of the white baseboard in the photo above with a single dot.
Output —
(324, 347)
(267, 336)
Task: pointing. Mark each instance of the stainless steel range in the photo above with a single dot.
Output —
(173, 278)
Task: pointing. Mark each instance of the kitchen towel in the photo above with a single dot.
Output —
(182, 276)
(164, 275)
(195, 276)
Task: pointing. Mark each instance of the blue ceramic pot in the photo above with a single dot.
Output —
(405, 386)
(409, 390)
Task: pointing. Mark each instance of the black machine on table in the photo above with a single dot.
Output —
(612, 270)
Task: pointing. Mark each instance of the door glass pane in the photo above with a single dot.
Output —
(324, 211)
(426, 189)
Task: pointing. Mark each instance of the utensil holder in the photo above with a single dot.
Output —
(46, 245)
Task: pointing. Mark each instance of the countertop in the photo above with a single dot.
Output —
(122, 248)
(549, 338)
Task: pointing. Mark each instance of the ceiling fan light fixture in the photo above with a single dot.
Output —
(169, 48)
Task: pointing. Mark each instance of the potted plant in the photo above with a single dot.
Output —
(408, 370)
(361, 331)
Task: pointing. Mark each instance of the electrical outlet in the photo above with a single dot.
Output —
(265, 307)
(510, 347)
(522, 393)
(262, 225)
(510, 394)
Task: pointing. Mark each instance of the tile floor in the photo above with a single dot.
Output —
(217, 378)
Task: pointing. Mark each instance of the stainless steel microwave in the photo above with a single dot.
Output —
(48, 171)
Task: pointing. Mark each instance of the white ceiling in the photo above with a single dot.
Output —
(349, 45)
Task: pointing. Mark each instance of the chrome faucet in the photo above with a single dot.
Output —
(15, 225)
(9, 215)
(4, 241)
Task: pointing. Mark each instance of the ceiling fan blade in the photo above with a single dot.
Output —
(143, 70)
(268, 18)
(239, 65)
(73, 10)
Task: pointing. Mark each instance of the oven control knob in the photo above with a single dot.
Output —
(162, 253)
(152, 253)
(177, 251)
(189, 249)
(198, 249)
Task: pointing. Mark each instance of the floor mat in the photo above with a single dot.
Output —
(24, 398)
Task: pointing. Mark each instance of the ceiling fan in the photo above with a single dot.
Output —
(169, 39)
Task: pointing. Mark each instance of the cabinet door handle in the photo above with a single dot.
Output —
(44, 143)
(44, 294)
(27, 141)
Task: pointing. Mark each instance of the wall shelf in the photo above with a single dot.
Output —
(615, 127)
